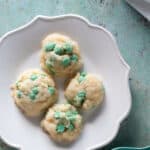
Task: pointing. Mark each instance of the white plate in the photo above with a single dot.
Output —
(143, 6)
(20, 51)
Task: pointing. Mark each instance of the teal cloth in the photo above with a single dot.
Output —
(131, 148)
(132, 32)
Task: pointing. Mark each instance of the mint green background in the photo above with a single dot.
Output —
(132, 32)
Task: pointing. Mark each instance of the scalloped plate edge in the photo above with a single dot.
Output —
(90, 25)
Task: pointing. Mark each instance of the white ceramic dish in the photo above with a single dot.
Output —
(19, 51)
(142, 6)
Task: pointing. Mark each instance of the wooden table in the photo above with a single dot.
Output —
(132, 32)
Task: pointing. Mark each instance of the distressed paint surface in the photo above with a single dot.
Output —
(132, 32)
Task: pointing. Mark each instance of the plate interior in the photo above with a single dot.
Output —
(20, 51)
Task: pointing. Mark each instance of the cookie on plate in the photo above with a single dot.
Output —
(60, 55)
(34, 92)
(63, 123)
(85, 91)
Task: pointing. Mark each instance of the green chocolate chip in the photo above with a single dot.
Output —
(33, 77)
(49, 46)
(71, 127)
(51, 90)
(64, 121)
(71, 115)
(58, 50)
(66, 61)
(74, 58)
(74, 112)
(68, 47)
(35, 90)
(80, 98)
(32, 96)
(57, 115)
(50, 62)
(83, 74)
(68, 114)
(19, 94)
(81, 78)
(81, 94)
(78, 101)
(49, 65)
(60, 128)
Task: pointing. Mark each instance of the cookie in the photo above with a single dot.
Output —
(34, 92)
(63, 123)
(85, 91)
(60, 55)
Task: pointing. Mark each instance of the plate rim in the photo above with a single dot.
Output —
(117, 51)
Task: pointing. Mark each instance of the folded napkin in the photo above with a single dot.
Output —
(142, 6)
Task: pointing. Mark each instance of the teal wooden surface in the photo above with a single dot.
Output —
(132, 32)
